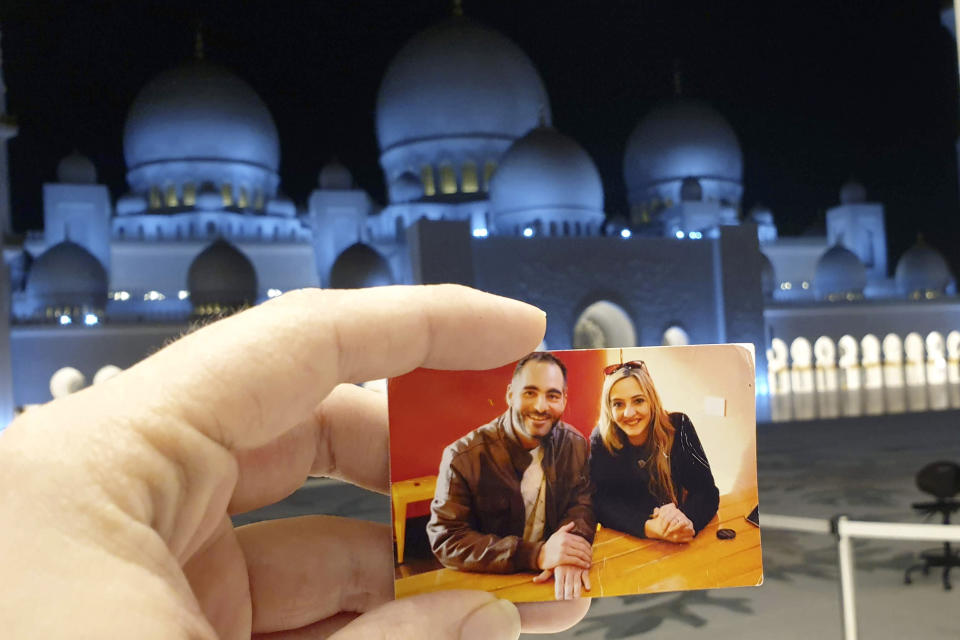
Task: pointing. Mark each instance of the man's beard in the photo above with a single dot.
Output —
(518, 419)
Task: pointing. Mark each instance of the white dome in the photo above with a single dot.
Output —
(839, 274)
(678, 140)
(922, 270)
(455, 79)
(67, 275)
(546, 173)
(360, 265)
(335, 176)
(76, 169)
(200, 122)
(221, 277)
(852, 192)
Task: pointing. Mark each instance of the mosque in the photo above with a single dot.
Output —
(481, 190)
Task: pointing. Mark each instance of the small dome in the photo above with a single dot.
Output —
(76, 169)
(852, 192)
(221, 278)
(768, 277)
(359, 266)
(336, 177)
(690, 190)
(922, 272)
(761, 214)
(839, 275)
(547, 171)
(67, 275)
(682, 139)
(458, 79)
(200, 122)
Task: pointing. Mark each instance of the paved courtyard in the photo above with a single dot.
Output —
(861, 467)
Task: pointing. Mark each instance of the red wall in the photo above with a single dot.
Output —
(429, 409)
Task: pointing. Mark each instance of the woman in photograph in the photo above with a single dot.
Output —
(650, 474)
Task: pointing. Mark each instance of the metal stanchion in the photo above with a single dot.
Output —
(848, 606)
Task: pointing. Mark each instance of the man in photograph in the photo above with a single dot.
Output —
(514, 494)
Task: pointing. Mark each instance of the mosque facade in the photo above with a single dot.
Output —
(482, 190)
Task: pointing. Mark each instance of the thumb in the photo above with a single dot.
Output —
(443, 615)
(567, 527)
(544, 576)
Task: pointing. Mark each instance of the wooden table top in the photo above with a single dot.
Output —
(623, 564)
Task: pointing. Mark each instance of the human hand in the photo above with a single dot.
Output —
(564, 547)
(669, 523)
(566, 581)
(123, 490)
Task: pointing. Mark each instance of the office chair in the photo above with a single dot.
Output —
(942, 481)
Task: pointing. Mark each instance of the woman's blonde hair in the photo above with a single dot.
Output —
(661, 430)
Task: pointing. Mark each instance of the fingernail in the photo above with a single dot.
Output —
(497, 620)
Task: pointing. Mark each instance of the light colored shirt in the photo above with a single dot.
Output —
(533, 488)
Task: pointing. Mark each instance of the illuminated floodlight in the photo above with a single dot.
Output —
(695, 235)
(528, 232)
(91, 319)
(121, 295)
(154, 296)
(679, 234)
(804, 285)
(480, 233)
(625, 233)
(273, 293)
(65, 319)
(183, 294)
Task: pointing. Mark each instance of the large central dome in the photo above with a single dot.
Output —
(200, 123)
(683, 139)
(456, 93)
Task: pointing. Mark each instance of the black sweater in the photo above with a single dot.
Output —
(623, 500)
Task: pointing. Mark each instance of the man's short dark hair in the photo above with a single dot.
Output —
(541, 356)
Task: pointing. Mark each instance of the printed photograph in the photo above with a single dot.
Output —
(574, 474)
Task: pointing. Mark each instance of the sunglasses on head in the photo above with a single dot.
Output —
(633, 364)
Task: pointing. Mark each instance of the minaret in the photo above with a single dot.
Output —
(8, 129)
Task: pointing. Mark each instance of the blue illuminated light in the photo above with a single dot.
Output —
(90, 319)
(528, 232)
(695, 235)
(480, 233)
(65, 319)
(625, 233)
(679, 235)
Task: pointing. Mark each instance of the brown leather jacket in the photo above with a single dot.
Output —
(477, 514)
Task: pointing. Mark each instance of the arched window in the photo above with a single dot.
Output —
(226, 193)
(258, 200)
(189, 194)
(242, 201)
(171, 196)
(448, 179)
(470, 184)
(154, 198)
(604, 324)
(566, 228)
(426, 176)
(553, 228)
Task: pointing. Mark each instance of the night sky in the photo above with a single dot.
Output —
(817, 93)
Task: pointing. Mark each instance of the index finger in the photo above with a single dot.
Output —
(274, 363)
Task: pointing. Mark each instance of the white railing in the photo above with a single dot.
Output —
(845, 530)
